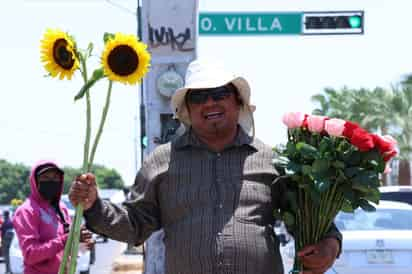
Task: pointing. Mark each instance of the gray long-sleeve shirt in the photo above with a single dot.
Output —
(215, 208)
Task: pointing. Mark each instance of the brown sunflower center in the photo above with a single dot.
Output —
(123, 60)
(61, 55)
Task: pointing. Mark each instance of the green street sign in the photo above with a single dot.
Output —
(236, 23)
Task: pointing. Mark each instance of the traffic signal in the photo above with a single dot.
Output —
(350, 22)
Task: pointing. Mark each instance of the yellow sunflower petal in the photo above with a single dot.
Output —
(58, 54)
(125, 59)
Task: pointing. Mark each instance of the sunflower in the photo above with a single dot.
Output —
(58, 54)
(125, 59)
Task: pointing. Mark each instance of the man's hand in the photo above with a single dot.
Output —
(86, 237)
(84, 191)
(318, 258)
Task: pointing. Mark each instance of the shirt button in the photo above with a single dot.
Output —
(220, 206)
(218, 155)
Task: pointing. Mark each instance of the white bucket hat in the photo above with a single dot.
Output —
(203, 74)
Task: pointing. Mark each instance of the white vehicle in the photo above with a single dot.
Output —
(396, 193)
(16, 258)
(377, 242)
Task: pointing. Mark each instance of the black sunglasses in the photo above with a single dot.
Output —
(200, 96)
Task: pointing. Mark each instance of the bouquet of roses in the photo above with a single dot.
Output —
(331, 165)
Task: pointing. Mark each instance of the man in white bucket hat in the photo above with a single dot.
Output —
(211, 189)
(208, 75)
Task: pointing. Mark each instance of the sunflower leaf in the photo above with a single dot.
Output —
(97, 75)
(90, 49)
(107, 36)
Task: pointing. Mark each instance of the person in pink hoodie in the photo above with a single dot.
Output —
(42, 222)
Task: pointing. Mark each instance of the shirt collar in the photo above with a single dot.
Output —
(189, 138)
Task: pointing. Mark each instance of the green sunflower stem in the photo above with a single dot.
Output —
(88, 118)
(67, 249)
(72, 244)
(76, 238)
(101, 126)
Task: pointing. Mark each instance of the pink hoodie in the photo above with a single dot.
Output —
(40, 231)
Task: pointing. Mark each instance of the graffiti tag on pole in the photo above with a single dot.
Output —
(164, 36)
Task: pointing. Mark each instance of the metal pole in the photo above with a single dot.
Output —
(130, 248)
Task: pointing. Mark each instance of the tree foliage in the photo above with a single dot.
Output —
(14, 180)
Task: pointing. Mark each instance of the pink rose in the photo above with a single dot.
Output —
(293, 119)
(335, 127)
(387, 170)
(316, 123)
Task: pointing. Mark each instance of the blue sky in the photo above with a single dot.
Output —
(38, 118)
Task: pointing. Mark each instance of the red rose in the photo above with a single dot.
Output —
(383, 144)
(388, 155)
(349, 128)
(362, 139)
(305, 121)
(386, 145)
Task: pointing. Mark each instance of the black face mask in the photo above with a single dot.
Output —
(49, 190)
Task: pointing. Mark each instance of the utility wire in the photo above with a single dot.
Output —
(125, 9)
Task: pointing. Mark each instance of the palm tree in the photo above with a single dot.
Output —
(371, 109)
(334, 103)
(402, 110)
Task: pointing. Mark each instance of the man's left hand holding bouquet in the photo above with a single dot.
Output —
(316, 258)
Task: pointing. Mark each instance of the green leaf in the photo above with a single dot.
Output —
(107, 36)
(280, 161)
(322, 186)
(371, 155)
(377, 166)
(320, 166)
(352, 171)
(353, 158)
(307, 150)
(347, 207)
(325, 145)
(366, 178)
(89, 49)
(307, 170)
(373, 195)
(360, 187)
(348, 193)
(97, 75)
(365, 205)
(338, 164)
(293, 168)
